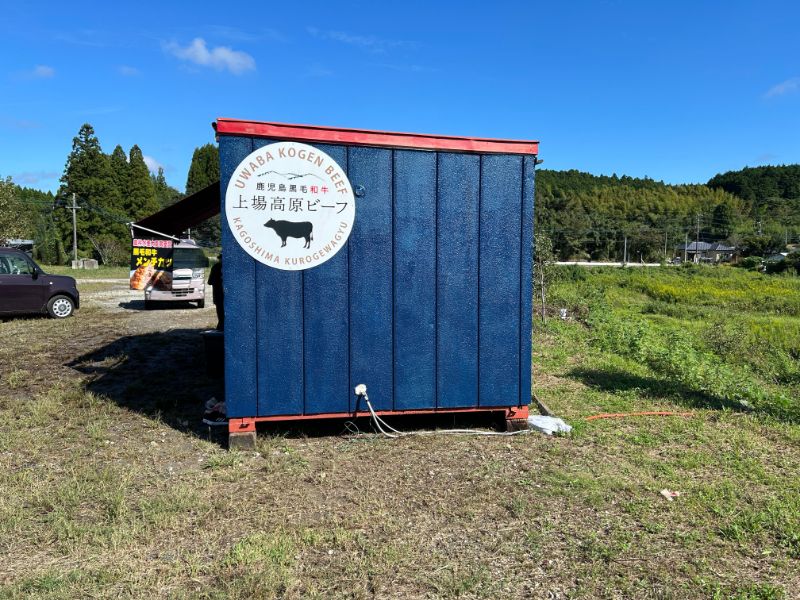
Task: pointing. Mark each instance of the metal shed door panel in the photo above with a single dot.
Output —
(500, 261)
(327, 325)
(371, 275)
(238, 275)
(279, 313)
(458, 190)
(414, 279)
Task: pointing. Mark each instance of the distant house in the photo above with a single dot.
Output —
(706, 252)
(777, 257)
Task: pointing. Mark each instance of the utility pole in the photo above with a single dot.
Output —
(759, 227)
(74, 207)
(686, 248)
(665, 244)
(625, 252)
(541, 273)
(697, 240)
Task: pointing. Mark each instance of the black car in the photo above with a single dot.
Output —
(25, 288)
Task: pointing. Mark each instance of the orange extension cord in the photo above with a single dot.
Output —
(655, 413)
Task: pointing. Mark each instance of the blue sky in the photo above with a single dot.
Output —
(677, 91)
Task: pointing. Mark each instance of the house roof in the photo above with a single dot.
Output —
(719, 247)
(707, 247)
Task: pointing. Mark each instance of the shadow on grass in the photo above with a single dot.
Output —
(163, 375)
(616, 380)
(23, 317)
(140, 305)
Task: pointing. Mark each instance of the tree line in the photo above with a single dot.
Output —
(583, 216)
(111, 191)
(596, 217)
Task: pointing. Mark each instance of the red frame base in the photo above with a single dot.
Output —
(248, 424)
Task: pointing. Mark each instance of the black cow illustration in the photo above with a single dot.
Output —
(284, 229)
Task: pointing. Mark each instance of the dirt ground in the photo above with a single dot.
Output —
(113, 488)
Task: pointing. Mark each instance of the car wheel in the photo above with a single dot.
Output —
(201, 304)
(60, 307)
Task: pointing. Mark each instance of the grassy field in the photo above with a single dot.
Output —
(112, 488)
(101, 272)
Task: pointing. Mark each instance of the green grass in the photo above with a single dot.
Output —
(112, 489)
(716, 337)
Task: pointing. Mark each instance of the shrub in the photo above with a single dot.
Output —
(751, 263)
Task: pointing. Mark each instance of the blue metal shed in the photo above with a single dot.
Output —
(428, 302)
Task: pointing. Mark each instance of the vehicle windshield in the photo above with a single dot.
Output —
(189, 258)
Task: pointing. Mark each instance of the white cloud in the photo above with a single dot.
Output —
(220, 58)
(319, 71)
(152, 163)
(87, 37)
(239, 35)
(20, 124)
(128, 71)
(407, 68)
(32, 177)
(99, 110)
(42, 72)
(784, 87)
(371, 43)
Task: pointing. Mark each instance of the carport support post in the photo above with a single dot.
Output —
(241, 434)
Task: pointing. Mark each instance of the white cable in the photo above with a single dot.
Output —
(377, 420)
(380, 422)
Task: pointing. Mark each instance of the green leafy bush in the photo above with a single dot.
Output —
(727, 337)
(751, 262)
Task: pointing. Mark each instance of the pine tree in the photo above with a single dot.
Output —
(204, 169)
(88, 175)
(119, 170)
(203, 172)
(166, 195)
(140, 195)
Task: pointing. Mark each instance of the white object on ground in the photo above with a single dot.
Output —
(548, 425)
(669, 494)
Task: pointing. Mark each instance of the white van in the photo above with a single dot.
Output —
(188, 281)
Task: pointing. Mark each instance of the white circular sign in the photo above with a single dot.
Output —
(290, 206)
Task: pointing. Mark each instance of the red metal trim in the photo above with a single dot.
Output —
(247, 424)
(366, 137)
(517, 412)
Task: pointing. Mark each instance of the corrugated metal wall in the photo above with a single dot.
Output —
(429, 304)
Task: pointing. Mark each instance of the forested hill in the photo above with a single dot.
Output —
(758, 183)
(590, 216)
